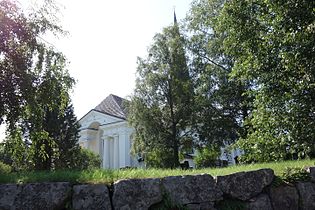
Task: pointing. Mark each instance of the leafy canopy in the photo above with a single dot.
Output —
(35, 84)
(162, 104)
(272, 44)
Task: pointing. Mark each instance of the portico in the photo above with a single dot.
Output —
(115, 149)
(104, 130)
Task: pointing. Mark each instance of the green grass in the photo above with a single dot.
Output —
(109, 176)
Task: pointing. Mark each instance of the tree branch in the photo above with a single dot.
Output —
(211, 61)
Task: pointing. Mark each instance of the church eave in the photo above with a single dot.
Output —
(119, 117)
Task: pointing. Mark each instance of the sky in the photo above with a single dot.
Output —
(105, 38)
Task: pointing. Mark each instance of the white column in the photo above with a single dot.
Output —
(122, 149)
(105, 152)
(86, 143)
(116, 151)
(83, 139)
(100, 143)
(111, 152)
(101, 150)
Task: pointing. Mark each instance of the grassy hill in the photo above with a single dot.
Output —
(110, 176)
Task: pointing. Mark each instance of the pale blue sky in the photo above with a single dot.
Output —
(105, 38)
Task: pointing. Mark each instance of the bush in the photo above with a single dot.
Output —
(295, 174)
(87, 160)
(159, 158)
(4, 168)
(206, 157)
(291, 175)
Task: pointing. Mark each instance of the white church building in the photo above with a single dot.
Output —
(105, 131)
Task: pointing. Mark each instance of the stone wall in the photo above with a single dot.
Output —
(253, 190)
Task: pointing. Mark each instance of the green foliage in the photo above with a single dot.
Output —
(23, 56)
(35, 84)
(220, 101)
(53, 145)
(161, 107)
(206, 157)
(292, 175)
(251, 66)
(16, 151)
(159, 158)
(4, 168)
(277, 181)
(64, 129)
(4, 155)
(271, 43)
(86, 160)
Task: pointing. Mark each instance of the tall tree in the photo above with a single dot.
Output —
(47, 128)
(34, 91)
(21, 54)
(162, 104)
(272, 43)
(49, 120)
(67, 136)
(222, 105)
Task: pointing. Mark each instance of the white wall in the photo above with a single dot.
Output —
(108, 136)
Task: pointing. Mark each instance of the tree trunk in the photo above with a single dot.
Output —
(175, 154)
(174, 129)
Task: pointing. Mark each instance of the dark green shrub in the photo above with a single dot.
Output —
(159, 158)
(207, 157)
(292, 175)
(86, 159)
(4, 168)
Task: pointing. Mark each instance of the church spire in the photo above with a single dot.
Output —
(175, 20)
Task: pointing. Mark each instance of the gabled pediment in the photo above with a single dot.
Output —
(96, 117)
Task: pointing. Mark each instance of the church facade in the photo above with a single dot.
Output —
(104, 130)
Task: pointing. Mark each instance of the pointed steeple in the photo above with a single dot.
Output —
(175, 20)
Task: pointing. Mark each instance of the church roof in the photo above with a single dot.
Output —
(112, 105)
